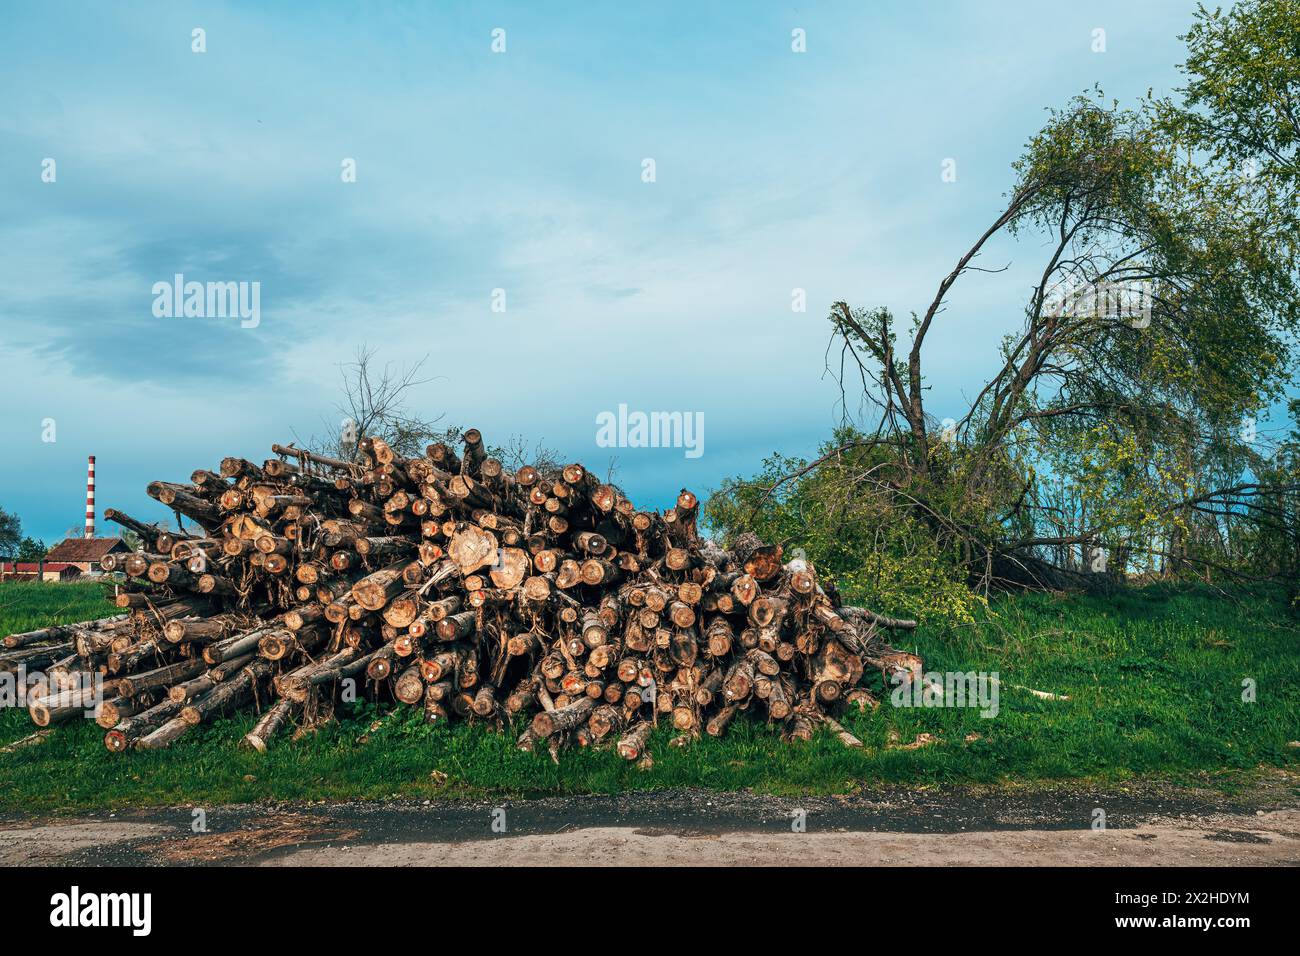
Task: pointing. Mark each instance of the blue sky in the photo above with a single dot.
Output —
(518, 170)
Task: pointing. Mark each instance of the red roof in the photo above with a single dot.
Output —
(85, 549)
(8, 566)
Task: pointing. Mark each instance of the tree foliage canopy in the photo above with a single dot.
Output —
(1121, 421)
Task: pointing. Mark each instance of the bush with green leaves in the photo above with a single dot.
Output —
(876, 552)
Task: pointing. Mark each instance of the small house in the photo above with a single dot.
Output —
(84, 553)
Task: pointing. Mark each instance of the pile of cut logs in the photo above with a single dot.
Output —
(535, 599)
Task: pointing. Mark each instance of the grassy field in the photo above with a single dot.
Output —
(27, 605)
(1154, 679)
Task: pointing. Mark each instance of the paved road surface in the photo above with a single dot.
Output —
(1145, 825)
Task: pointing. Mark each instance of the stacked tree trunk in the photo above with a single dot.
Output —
(447, 582)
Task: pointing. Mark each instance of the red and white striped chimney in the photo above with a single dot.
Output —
(90, 498)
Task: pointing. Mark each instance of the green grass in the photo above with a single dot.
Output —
(1154, 679)
(28, 605)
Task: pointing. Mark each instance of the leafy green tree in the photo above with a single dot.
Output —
(1164, 315)
(1240, 102)
(11, 533)
(132, 540)
(32, 549)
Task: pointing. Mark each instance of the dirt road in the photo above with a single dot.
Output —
(1144, 825)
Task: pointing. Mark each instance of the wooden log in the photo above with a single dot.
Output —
(375, 590)
(64, 705)
(184, 500)
(198, 630)
(299, 617)
(631, 746)
(147, 532)
(280, 643)
(312, 457)
(844, 737)
(562, 719)
(135, 684)
(409, 688)
(120, 737)
(272, 723)
(739, 682)
(236, 645)
(717, 724)
(228, 695)
(297, 684)
(59, 633)
(165, 735)
(109, 713)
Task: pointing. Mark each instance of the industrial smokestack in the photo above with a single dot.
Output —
(90, 498)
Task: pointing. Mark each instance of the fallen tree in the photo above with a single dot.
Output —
(1115, 433)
